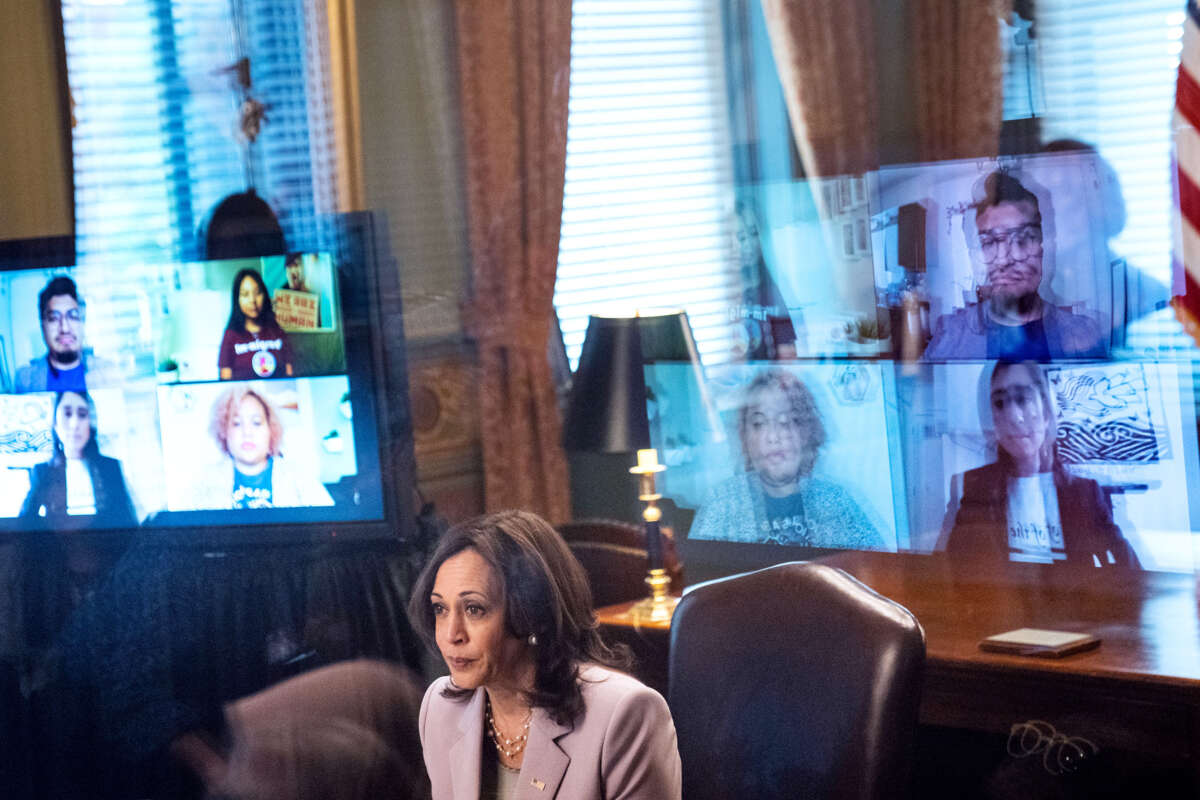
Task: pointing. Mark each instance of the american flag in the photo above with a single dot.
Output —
(1186, 283)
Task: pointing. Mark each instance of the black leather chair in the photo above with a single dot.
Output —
(616, 573)
(613, 554)
(795, 681)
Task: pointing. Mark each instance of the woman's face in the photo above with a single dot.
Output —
(250, 298)
(73, 424)
(468, 613)
(773, 441)
(1018, 414)
(249, 434)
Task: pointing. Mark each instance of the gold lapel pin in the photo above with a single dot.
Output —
(539, 785)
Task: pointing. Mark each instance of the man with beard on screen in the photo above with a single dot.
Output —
(64, 367)
(1012, 321)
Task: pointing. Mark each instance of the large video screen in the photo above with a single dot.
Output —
(1117, 463)
(1008, 258)
(956, 358)
(799, 455)
(207, 394)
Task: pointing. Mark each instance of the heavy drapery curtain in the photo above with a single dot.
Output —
(825, 51)
(958, 76)
(825, 54)
(514, 65)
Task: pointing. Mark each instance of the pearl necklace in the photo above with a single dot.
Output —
(506, 747)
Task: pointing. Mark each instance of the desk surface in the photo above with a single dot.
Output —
(1147, 621)
(1140, 690)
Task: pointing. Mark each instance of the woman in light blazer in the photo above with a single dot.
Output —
(532, 707)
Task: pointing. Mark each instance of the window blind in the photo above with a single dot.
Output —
(155, 147)
(1108, 71)
(647, 215)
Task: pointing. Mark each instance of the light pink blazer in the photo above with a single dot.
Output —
(622, 747)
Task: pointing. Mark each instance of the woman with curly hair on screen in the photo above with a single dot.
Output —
(254, 473)
(777, 499)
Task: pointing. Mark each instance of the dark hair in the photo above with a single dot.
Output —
(237, 320)
(545, 592)
(1001, 187)
(292, 258)
(61, 285)
(91, 450)
(242, 225)
(804, 409)
(1049, 451)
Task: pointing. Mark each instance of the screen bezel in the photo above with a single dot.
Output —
(372, 320)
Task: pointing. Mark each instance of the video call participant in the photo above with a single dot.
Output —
(1011, 322)
(1025, 506)
(254, 346)
(77, 487)
(247, 429)
(777, 499)
(64, 367)
(297, 279)
(763, 329)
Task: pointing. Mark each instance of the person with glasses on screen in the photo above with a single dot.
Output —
(1025, 506)
(777, 499)
(65, 367)
(1011, 321)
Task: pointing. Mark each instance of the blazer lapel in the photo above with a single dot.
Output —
(465, 754)
(545, 761)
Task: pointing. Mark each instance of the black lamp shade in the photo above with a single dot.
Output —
(607, 409)
(606, 412)
(667, 338)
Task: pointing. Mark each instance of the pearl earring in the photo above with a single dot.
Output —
(533, 640)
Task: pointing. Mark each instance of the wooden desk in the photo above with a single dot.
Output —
(1139, 691)
(648, 639)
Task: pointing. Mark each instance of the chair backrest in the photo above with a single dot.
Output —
(794, 681)
(617, 573)
(613, 553)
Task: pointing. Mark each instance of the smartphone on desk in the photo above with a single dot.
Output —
(1039, 642)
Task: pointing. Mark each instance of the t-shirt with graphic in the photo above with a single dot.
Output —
(785, 520)
(253, 491)
(819, 514)
(255, 355)
(1034, 527)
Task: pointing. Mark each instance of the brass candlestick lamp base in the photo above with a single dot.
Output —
(660, 605)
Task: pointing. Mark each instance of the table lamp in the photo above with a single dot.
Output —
(606, 424)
